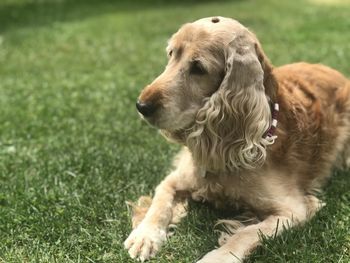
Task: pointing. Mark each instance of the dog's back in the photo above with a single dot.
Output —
(315, 116)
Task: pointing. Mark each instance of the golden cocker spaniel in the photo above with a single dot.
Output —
(254, 137)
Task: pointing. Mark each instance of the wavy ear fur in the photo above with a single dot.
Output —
(230, 127)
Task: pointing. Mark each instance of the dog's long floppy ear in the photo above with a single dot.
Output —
(230, 128)
(270, 83)
(243, 69)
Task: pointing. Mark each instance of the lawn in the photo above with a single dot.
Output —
(73, 149)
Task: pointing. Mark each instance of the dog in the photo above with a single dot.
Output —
(255, 137)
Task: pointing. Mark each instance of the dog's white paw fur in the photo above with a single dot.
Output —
(145, 241)
(220, 256)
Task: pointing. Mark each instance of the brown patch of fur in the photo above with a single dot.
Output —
(139, 209)
(152, 94)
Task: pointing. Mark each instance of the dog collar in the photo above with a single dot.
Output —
(274, 112)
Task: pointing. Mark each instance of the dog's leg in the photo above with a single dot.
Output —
(246, 239)
(148, 236)
(140, 208)
(146, 239)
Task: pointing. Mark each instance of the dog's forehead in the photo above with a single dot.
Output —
(189, 33)
(207, 29)
(217, 23)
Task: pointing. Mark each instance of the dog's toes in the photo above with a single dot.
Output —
(144, 242)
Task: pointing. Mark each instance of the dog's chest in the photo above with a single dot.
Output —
(222, 191)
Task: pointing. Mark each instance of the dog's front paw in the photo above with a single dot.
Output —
(145, 241)
(220, 256)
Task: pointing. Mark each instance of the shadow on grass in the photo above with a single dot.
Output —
(35, 14)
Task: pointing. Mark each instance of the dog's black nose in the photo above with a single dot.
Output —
(146, 109)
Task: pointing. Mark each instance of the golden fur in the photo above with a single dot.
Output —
(214, 99)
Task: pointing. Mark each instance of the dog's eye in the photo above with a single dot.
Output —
(170, 53)
(197, 68)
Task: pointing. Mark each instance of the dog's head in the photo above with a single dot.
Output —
(212, 91)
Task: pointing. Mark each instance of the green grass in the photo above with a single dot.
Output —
(73, 149)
